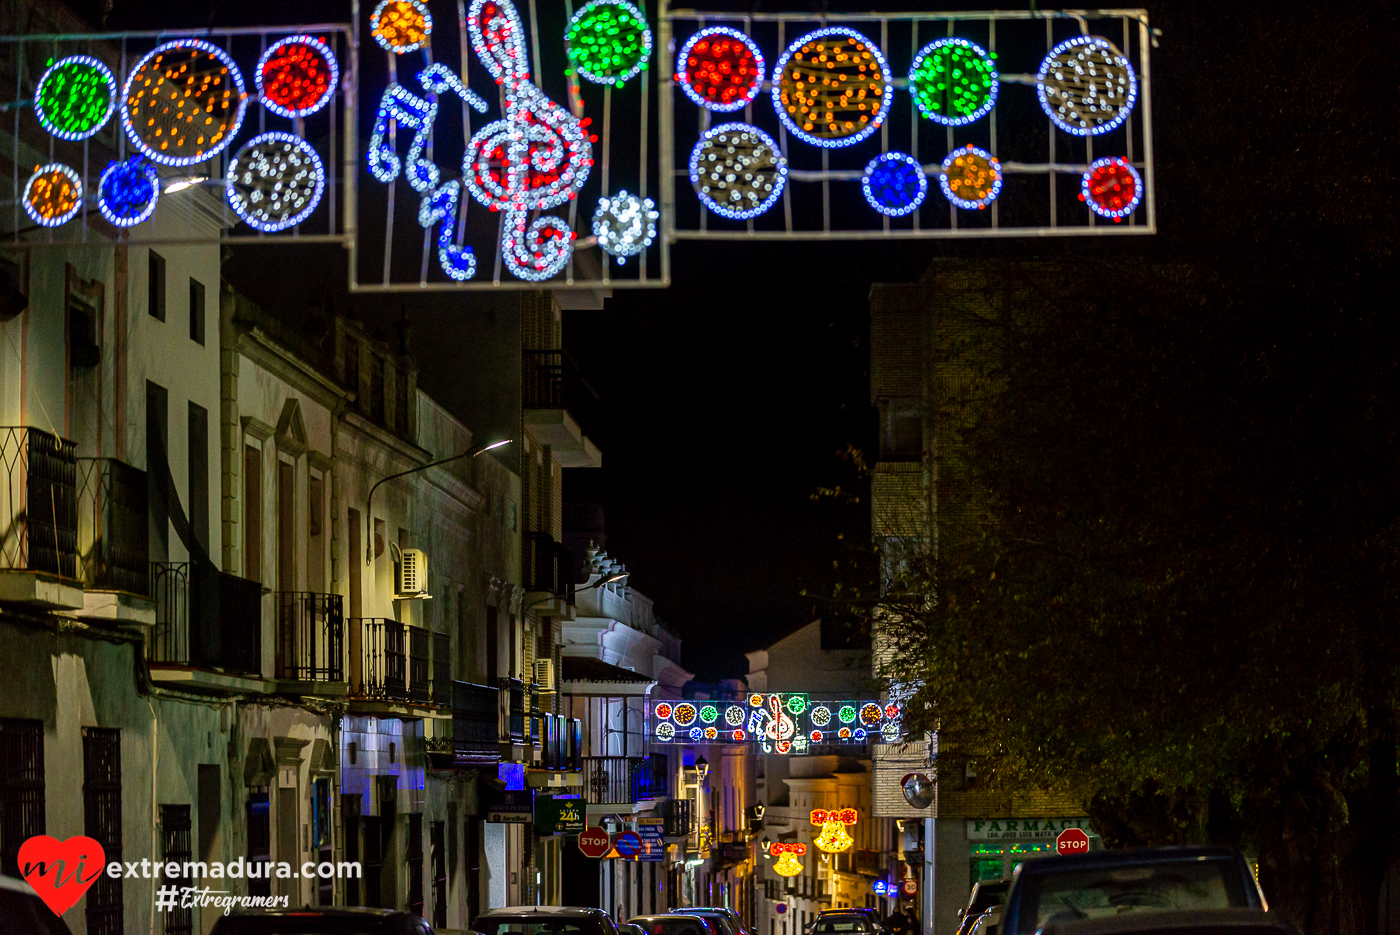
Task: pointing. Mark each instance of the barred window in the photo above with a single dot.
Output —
(102, 821)
(21, 788)
(175, 848)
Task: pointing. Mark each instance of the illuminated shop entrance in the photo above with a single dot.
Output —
(992, 860)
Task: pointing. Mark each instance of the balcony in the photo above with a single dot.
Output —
(620, 780)
(393, 662)
(548, 571)
(38, 519)
(473, 735)
(443, 688)
(542, 395)
(310, 639)
(112, 541)
(209, 621)
(516, 710)
(679, 818)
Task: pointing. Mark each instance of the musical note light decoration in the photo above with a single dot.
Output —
(297, 76)
(75, 97)
(536, 158)
(127, 191)
(775, 722)
(183, 102)
(53, 195)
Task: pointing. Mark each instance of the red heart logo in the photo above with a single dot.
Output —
(61, 871)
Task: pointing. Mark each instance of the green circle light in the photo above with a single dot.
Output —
(608, 42)
(75, 97)
(847, 714)
(796, 704)
(708, 713)
(953, 81)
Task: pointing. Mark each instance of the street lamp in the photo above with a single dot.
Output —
(369, 501)
(702, 767)
(601, 582)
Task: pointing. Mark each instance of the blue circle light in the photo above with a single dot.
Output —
(127, 191)
(895, 184)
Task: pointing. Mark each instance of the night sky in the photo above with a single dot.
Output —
(724, 400)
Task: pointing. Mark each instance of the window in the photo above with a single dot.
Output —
(413, 856)
(252, 513)
(102, 821)
(321, 836)
(155, 287)
(286, 526)
(315, 547)
(196, 311)
(350, 834)
(260, 842)
(21, 788)
(175, 848)
(901, 430)
(157, 469)
(439, 863)
(199, 474)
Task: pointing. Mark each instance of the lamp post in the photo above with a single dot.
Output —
(471, 452)
(597, 584)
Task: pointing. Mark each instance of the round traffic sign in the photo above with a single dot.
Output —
(628, 844)
(780, 908)
(910, 887)
(594, 842)
(1072, 841)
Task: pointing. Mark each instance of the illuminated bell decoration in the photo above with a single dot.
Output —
(738, 172)
(184, 102)
(127, 191)
(296, 76)
(1111, 188)
(275, 181)
(953, 82)
(970, 177)
(832, 87)
(53, 195)
(625, 225)
(1086, 86)
(720, 69)
(608, 42)
(401, 26)
(75, 97)
(894, 184)
(833, 837)
(787, 864)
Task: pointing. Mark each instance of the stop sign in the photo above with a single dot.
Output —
(1072, 841)
(594, 842)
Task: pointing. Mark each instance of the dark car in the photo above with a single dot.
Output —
(845, 923)
(328, 921)
(22, 909)
(1055, 890)
(677, 923)
(544, 920)
(733, 921)
(986, 894)
(1181, 922)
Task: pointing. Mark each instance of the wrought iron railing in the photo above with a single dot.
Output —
(679, 818)
(310, 633)
(221, 631)
(112, 524)
(653, 777)
(542, 380)
(549, 566)
(475, 722)
(419, 640)
(617, 780)
(442, 686)
(38, 502)
(383, 658)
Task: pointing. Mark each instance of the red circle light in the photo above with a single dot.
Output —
(722, 71)
(297, 77)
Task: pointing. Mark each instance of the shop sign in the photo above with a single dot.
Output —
(510, 808)
(564, 814)
(651, 831)
(1021, 829)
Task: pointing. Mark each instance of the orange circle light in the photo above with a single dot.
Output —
(401, 26)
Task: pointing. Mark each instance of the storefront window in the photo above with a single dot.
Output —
(993, 861)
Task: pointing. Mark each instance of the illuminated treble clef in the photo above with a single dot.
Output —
(536, 158)
(780, 727)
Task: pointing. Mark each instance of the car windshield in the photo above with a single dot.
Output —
(988, 895)
(1093, 893)
(672, 926)
(719, 921)
(305, 925)
(842, 924)
(538, 925)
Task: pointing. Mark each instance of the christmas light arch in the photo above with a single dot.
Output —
(183, 102)
(721, 69)
(1086, 86)
(74, 98)
(274, 181)
(297, 76)
(829, 104)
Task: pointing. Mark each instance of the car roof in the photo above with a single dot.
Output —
(1055, 863)
(574, 911)
(330, 911)
(1166, 920)
(670, 914)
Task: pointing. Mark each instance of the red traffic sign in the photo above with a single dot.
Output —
(910, 887)
(594, 842)
(628, 844)
(1072, 841)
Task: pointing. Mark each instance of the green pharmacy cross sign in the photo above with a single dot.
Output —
(775, 722)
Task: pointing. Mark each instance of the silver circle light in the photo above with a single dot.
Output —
(275, 181)
(737, 170)
(1086, 86)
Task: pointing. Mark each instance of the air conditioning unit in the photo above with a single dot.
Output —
(544, 674)
(413, 574)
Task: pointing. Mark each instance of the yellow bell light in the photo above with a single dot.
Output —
(788, 865)
(834, 837)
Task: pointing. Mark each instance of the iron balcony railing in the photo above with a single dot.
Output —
(310, 633)
(38, 502)
(517, 712)
(549, 566)
(542, 382)
(618, 780)
(223, 630)
(476, 733)
(393, 660)
(442, 686)
(679, 818)
(112, 523)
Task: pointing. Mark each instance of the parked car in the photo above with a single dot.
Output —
(24, 911)
(676, 923)
(1180, 922)
(1056, 890)
(985, 894)
(732, 920)
(627, 928)
(988, 923)
(327, 921)
(853, 919)
(544, 920)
